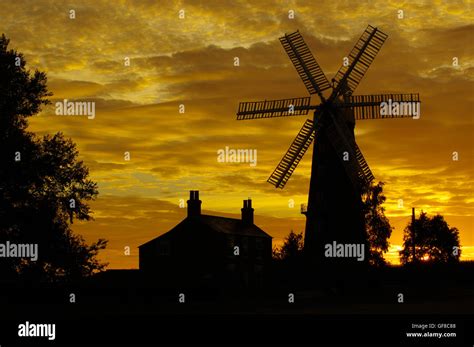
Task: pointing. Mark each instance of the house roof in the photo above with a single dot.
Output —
(217, 224)
(232, 226)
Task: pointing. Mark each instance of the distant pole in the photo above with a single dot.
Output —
(413, 231)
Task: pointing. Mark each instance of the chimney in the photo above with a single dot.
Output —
(247, 212)
(194, 204)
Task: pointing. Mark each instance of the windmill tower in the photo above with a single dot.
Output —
(339, 171)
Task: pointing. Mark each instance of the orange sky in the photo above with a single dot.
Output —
(190, 61)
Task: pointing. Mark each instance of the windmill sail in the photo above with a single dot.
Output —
(365, 174)
(306, 66)
(361, 56)
(292, 157)
(369, 106)
(273, 108)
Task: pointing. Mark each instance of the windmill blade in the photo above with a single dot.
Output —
(355, 166)
(361, 56)
(365, 174)
(305, 64)
(370, 106)
(274, 108)
(292, 157)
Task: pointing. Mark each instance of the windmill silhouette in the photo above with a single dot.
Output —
(339, 171)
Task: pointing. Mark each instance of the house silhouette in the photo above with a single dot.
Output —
(205, 250)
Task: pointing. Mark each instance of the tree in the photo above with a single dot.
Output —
(43, 186)
(377, 224)
(435, 241)
(292, 249)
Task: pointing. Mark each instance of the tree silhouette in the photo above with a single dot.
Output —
(292, 249)
(43, 186)
(435, 241)
(377, 225)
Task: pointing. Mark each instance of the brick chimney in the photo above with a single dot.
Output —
(247, 212)
(194, 204)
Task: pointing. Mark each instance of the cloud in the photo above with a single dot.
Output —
(190, 62)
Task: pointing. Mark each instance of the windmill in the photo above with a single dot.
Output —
(339, 171)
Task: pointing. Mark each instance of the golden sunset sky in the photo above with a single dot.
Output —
(190, 61)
